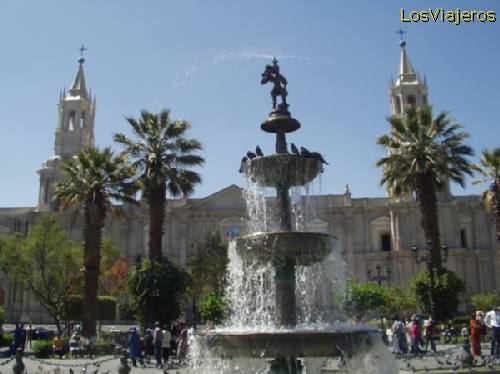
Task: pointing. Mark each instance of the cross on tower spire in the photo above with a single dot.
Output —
(400, 32)
(81, 49)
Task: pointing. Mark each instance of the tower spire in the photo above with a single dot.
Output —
(78, 88)
(406, 71)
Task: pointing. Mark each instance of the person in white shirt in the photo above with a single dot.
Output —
(492, 320)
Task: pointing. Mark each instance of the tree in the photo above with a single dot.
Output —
(485, 301)
(162, 155)
(398, 302)
(423, 154)
(213, 307)
(207, 271)
(363, 298)
(489, 169)
(45, 263)
(113, 270)
(157, 290)
(447, 291)
(95, 178)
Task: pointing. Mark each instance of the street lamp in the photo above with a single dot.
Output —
(379, 278)
(429, 261)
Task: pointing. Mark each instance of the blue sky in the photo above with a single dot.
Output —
(203, 59)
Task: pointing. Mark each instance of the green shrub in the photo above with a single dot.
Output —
(106, 308)
(104, 348)
(6, 339)
(42, 348)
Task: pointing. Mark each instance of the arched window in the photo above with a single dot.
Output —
(82, 120)
(412, 101)
(71, 121)
(46, 191)
(397, 104)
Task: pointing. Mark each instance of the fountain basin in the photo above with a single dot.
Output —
(282, 169)
(278, 248)
(275, 344)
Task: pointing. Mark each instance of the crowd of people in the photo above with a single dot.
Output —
(159, 343)
(418, 334)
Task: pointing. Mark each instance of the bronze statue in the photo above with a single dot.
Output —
(272, 74)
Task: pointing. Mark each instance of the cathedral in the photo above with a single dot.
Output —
(376, 235)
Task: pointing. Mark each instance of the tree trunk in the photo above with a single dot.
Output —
(497, 218)
(426, 194)
(157, 201)
(95, 214)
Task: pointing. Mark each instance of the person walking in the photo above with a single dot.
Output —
(429, 329)
(134, 346)
(165, 344)
(492, 320)
(148, 346)
(415, 335)
(157, 340)
(475, 334)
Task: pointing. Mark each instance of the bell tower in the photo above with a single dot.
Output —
(74, 132)
(409, 90)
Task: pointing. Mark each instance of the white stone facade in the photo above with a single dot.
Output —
(370, 231)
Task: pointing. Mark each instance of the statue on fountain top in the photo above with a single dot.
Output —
(272, 74)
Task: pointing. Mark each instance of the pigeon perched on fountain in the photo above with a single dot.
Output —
(318, 156)
(258, 152)
(243, 160)
(305, 152)
(295, 151)
(251, 155)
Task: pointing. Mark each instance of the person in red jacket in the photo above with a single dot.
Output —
(476, 329)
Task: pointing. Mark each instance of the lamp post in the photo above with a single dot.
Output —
(429, 261)
(379, 278)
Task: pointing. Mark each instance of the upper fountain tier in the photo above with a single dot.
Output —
(283, 169)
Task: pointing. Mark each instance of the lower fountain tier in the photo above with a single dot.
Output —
(282, 169)
(280, 248)
(283, 344)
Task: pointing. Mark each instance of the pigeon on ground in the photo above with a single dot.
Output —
(251, 155)
(295, 151)
(243, 160)
(258, 152)
(305, 152)
(318, 156)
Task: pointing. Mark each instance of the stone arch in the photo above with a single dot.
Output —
(381, 238)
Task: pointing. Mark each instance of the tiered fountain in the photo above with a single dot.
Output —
(282, 344)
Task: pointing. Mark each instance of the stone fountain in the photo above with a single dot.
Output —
(282, 344)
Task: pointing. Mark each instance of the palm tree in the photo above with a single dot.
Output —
(423, 155)
(489, 169)
(94, 179)
(162, 154)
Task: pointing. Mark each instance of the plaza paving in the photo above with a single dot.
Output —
(445, 361)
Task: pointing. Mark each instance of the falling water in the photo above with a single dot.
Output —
(250, 291)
